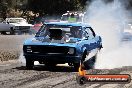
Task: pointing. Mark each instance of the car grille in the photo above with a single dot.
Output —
(46, 49)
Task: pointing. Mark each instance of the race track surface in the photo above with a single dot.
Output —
(13, 73)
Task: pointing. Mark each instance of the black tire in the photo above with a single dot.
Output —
(3, 33)
(81, 80)
(76, 66)
(90, 64)
(70, 64)
(12, 32)
(29, 64)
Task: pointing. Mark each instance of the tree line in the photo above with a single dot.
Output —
(49, 7)
(44, 7)
(56, 6)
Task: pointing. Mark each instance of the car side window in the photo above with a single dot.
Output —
(90, 33)
(85, 34)
(41, 31)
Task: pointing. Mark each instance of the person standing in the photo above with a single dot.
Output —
(72, 18)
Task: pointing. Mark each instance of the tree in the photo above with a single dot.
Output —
(3, 10)
(55, 6)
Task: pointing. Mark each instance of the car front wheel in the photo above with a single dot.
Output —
(76, 66)
(29, 64)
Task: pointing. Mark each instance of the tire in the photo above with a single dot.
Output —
(12, 31)
(89, 64)
(3, 33)
(76, 66)
(29, 64)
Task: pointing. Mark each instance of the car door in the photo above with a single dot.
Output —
(90, 42)
(98, 40)
(89, 36)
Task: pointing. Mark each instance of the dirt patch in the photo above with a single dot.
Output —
(9, 55)
(11, 46)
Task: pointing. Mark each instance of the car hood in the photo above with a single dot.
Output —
(39, 41)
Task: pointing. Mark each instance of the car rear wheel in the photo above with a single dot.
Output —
(29, 64)
(89, 64)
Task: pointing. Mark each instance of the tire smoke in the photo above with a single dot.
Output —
(23, 61)
(107, 21)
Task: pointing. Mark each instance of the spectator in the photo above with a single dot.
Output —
(72, 18)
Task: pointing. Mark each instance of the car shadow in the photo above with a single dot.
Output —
(49, 68)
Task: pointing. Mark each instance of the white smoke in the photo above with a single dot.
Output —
(107, 21)
(22, 60)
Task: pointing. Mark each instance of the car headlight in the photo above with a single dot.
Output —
(71, 51)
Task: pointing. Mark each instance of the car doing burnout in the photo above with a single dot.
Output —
(59, 43)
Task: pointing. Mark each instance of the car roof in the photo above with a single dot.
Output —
(68, 24)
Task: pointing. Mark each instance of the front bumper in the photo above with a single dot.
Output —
(54, 58)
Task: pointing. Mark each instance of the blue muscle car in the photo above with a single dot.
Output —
(59, 42)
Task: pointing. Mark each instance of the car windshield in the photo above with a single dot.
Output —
(65, 17)
(59, 30)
